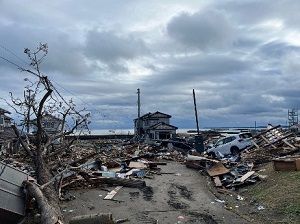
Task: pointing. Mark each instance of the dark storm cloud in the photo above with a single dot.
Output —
(199, 68)
(275, 49)
(64, 54)
(202, 30)
(113, 49)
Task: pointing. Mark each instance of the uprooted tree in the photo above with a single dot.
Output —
(42, 99)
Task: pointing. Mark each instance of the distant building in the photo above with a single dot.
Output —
(51, 124)
(8, 138)
(155, 126)
(5, 121)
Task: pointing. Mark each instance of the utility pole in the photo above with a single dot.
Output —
(196, 114)
(198, 138)
(139, 114)
(28, 100)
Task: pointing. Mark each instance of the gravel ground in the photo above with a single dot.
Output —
(179, 195)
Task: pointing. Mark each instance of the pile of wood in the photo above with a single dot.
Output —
(273, 142)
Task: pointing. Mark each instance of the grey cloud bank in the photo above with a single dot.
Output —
(241, 57)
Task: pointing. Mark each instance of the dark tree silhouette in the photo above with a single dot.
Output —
(40, 99)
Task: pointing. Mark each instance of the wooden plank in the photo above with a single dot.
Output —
(247, 175)
(280, 139)
(264, 138)
(297, 161)
(192, 157)
(284, 164)
(111, 194)
(256, 145)
(289, 144)
(264, 132)
(130, 172)
(268, 142)
(138, 165)
(217, 169)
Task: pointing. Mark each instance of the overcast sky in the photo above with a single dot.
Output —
(241, 57)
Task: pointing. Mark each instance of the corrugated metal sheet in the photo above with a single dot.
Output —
(12, 197)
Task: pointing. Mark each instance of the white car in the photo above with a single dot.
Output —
(231, 145)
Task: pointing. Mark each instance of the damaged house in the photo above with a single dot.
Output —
(8, 138)
(52, 125)
(155, 126)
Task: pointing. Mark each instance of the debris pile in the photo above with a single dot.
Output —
(112, 162)
(100, 164)
(274, 144)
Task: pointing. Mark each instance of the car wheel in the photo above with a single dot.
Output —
(235, 151)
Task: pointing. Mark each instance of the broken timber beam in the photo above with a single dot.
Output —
(112, 193)
(246, 176)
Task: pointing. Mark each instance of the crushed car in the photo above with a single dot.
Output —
(230, 145)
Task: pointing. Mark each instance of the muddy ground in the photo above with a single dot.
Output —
(178, 192)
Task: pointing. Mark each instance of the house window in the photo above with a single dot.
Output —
(48, 124)
(152, 122)
(1, 122)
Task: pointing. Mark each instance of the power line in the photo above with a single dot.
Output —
(13, 54)
(22, 69)
(5, 59)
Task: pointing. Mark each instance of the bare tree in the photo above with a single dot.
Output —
(43, 99)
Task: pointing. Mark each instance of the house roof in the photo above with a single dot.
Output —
(2, 111)
(7, 133)
(154, 115)
(52, 117)
(49, 116)
(163, 126)
(7, 118)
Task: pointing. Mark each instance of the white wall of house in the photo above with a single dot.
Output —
(1, 122)
(50, 124)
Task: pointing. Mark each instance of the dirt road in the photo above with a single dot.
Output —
(180, 192)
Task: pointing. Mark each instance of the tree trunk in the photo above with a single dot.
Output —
(49, 214)
(49, 194)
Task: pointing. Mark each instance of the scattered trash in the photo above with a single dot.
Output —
(220, 201)
(260, 208)
(181, 219)
(240, 198)
(121, 220)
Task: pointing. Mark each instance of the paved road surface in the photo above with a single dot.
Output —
(182, 193)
